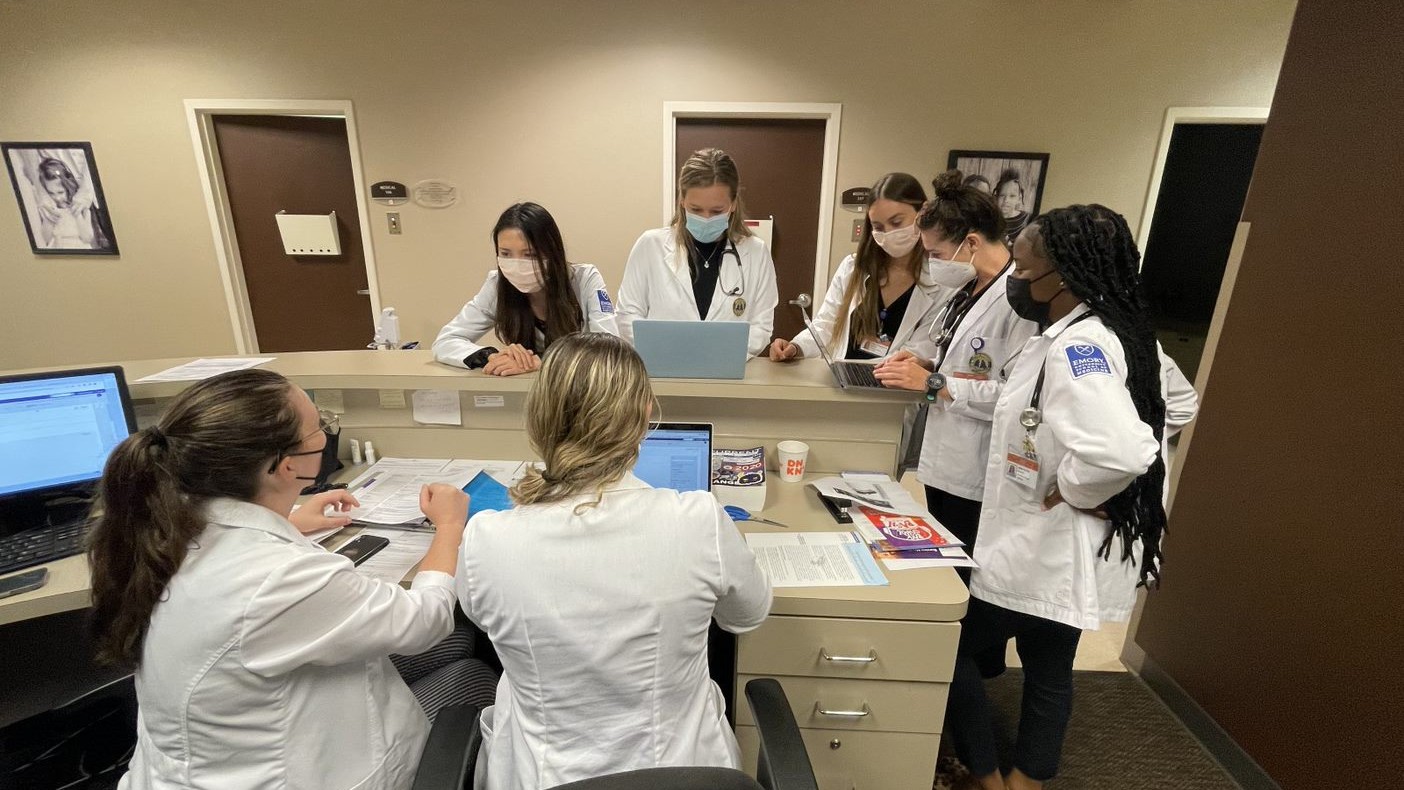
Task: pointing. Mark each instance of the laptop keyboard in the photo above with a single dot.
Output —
(38, 546)
(857, 374)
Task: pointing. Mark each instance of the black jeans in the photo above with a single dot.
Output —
(1046, 649)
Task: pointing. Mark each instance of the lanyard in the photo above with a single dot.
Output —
(1032, 417)
(954, 312)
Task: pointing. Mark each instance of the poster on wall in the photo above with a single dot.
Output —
(1014, 179)
(60, 198)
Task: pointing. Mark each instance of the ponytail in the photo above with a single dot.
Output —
(215, 440)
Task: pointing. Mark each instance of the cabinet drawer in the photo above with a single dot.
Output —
(890, 705)
(835, 647)
(861, 761)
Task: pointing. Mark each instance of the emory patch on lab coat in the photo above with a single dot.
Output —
(1085, 359)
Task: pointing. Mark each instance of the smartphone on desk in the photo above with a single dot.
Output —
(23, 582)
(362, 548)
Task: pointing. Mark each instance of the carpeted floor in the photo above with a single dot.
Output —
(1120, 737)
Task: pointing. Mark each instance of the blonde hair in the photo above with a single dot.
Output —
(586, 414)
(703, 169)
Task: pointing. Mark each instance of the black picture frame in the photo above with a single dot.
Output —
(991, 167)
(60, 198)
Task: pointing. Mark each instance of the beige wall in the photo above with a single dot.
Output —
(561, 102)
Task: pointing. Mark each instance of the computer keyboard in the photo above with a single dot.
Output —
(38, 546)
(857, 374)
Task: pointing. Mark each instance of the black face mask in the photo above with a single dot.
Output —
(1019, 292)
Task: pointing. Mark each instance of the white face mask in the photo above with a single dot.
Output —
(522, 273)
(949, 274)
(898, 242)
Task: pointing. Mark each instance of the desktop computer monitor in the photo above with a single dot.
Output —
(57, 429)
(677, 455)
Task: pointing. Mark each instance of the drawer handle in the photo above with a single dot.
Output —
(857, 714)
(868, 659)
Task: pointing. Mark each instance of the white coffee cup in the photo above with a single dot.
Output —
(793, 457)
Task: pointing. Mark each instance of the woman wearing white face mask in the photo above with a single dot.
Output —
(532, 298)
(873, 307)
(706, 264)
(975, 332)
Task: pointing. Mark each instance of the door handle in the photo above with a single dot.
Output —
(363, 292)
(868, 659)
(866, 711)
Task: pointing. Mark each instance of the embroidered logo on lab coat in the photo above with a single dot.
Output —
(606, 306)
(1085, 359)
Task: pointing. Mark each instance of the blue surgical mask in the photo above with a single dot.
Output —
(708, 230)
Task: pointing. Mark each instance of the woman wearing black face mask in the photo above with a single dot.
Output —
(1073, 509)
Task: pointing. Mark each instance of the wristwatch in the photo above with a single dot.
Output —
(934, 383)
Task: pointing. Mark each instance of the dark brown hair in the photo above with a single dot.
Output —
(957, 208)
(215, 440)
(868, 262)
(515, 322)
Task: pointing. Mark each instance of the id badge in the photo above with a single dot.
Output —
(1021, 466)
(878, 347)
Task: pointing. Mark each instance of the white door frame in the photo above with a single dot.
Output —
(831, 114)
(1174, 115)
(199, 114)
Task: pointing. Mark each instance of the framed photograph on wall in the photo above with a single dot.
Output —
(1015, 180)
(60, 198)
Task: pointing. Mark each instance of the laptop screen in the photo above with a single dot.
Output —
(677, 456)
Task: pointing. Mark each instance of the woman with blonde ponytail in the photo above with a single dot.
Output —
(260, 657)
(598, 590)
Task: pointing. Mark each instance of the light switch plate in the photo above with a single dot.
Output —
(857, 231)
(393, 218)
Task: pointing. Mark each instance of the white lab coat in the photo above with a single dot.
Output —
(266, 665)
(957, 440)
(458, 340)
(1092, 444)
(911, 334)
(658, 284)
(600, 619)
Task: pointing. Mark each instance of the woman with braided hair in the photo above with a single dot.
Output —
(1073, 509)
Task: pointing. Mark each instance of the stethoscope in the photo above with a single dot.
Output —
(1032, 417)
(942, 330)
(738, 304)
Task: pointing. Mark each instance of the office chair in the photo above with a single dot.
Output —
(451, 754)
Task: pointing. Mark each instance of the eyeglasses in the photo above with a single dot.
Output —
(328, 422)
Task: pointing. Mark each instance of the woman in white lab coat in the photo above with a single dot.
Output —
(1073, 510)
(597, 590)
(532, 298)
(873, 307)
(975, 331)
(261, 658)
(706, 264)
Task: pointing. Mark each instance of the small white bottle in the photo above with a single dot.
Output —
(356, 452)
(370, 453)
(390, 327)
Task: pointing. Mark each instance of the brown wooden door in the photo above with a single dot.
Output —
(781, 162)
(301, 165)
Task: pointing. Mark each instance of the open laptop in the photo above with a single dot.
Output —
(848, 374)
(677, 455)
(692, 349)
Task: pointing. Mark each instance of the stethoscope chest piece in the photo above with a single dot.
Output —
(1031, 417)
(738, 306)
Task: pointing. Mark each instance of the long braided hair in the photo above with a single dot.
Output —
(1095, 254)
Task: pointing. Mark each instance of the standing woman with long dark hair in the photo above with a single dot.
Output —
(261, 657)
(533, 297)
(873, 307)
(1073, 511)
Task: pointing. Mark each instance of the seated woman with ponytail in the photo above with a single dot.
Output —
(597, 590)
(261, 657)
(1072, 514)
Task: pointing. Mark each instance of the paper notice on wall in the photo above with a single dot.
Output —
(437, 407)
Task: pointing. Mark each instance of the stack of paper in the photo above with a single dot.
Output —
(815, 559)
(900, 531)
(202, 369)
(389, 490)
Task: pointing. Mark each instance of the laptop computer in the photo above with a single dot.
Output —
(693, 349)
(677, 455)
(847, 373)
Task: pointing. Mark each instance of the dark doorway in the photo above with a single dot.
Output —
(781, 162)
(1207, 172)
(301, 165)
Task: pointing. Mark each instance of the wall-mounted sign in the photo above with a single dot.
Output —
(389, 193)
(856, 198)
(434, 193)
